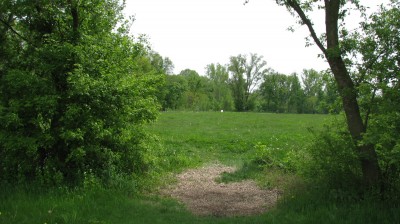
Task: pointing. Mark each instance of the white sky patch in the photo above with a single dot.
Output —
(194, 33)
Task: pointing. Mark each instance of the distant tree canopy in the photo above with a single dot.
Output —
(246, 73)
(221, 95)
(266, 91)
(75, 90)
(281, 93)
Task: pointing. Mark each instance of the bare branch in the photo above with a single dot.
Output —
(295, 5)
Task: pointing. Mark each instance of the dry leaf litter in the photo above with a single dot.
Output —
(202, 195)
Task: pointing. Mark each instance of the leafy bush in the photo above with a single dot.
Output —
(269, 157)
(332, 159)
(384, 132)
(332, 162)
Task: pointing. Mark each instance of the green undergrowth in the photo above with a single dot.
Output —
(310, 204)
(268, 178)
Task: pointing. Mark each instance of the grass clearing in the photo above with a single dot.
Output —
(201, 137)
(190, 139)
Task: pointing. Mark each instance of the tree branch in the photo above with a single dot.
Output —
(367, 67)
(14, 31)
(295, 5)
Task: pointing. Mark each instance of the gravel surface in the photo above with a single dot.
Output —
(197, 189)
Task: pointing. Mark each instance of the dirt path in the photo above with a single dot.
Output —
(198, 190)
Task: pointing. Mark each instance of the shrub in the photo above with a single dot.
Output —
(384, 133)
(269, 157)
(333, 160)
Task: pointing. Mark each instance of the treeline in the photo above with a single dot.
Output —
(246, 84)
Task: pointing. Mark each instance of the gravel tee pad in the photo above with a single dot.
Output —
(197, 189)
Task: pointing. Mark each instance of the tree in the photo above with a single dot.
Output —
(377, 73)
(313, 89)
(196, 97)
(296, 95)
(162, 65)
(274, 90)
(255, 70)
(246, 75)
(330, 101)
(237, 68)
(175, 87)
(221, 93)
(281, 93)
(332, 50)
(75, 92)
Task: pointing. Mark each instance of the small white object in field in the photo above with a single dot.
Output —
(222, 111)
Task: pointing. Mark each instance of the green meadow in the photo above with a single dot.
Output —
(230, 137)
(190, 139)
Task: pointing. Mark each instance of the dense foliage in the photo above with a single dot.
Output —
(250, 87)
(75, 91)
(316, 93)
(379, 87)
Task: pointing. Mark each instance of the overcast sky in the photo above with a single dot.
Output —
(194, 33)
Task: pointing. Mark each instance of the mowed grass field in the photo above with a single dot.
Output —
(191, 139)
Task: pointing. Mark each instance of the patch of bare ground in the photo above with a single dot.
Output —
(202, 195)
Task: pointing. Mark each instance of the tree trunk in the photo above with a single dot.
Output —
(75, 20)
(367, 154)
